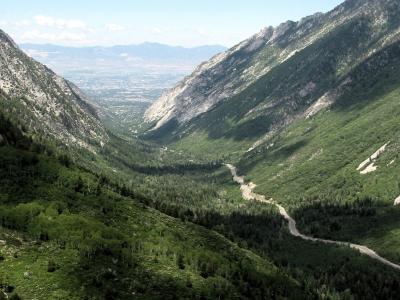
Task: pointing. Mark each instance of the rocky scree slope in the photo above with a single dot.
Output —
(44, 102)
(280, 74)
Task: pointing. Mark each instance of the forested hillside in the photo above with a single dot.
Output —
(70, 233)
(308, 112)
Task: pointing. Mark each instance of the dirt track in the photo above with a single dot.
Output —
(249, 194)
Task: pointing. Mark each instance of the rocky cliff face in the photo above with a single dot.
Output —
(45, 102)
(211, 82)
(282, 73)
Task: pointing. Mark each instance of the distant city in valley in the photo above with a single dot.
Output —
(123, 80)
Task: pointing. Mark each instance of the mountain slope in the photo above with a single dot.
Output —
(277, 76)
(70, 233)
(43, 101)
(317, 126)
(316, 165)
(66, 233)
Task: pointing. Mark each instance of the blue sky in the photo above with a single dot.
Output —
(174, 22)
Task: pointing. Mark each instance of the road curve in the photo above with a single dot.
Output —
(249, 194)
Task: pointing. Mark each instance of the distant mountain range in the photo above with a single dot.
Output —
(116, 57)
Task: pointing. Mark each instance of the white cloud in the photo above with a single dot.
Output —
(47, 21)
(3, 23)
(44, 21)
(157, 30)
(124, 55)
(202, 32)
(64, 36)
(23, 23)
(78, 24)
(114, 27)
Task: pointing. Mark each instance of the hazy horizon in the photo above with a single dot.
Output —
(176, 23)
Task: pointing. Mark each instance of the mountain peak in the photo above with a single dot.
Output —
(246, 71)
(5, 38)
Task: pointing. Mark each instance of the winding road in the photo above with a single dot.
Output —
(249, 194)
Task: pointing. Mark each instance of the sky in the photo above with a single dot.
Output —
(186, 23)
